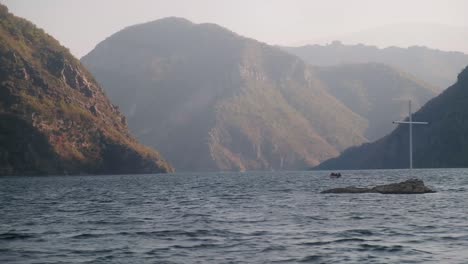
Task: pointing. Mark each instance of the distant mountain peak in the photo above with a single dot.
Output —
(432, 35)
(173, 20)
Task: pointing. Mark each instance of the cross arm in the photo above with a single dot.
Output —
(407, 122)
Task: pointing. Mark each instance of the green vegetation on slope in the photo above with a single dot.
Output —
(55, 118)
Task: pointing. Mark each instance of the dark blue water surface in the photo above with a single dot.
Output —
(259, 217)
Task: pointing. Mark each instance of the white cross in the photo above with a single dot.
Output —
(411, 123)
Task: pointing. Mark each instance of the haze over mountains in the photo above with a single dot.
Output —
(441, 144)
(435, 67)
(406, 34)
(212, 100)
(54, 118)
(376, 92)
(209, 99)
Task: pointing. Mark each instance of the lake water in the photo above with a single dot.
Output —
(259, 217)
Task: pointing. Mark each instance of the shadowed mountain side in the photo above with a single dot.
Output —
(54, 118)
(441, 144)
(376, 92)
(435, 67)
(209, 99)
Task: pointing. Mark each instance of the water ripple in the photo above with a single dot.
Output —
(260, 217)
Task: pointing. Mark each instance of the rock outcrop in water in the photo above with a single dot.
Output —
(412, 186)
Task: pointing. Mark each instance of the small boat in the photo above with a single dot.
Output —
(335, 175)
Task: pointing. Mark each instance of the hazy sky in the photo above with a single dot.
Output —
(81, 24)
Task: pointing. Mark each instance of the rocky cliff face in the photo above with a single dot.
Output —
(55, 119)
(441, 144)
(209, 99)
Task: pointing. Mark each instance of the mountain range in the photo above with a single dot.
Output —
(407, 34)
(435, 67)
(54, 117)
(210, 99)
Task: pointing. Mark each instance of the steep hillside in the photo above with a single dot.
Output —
(375, 92)
(209, 99)
(441, 144)
(438, 68)
(54, 118)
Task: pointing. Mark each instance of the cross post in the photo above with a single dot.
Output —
(410, 123)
